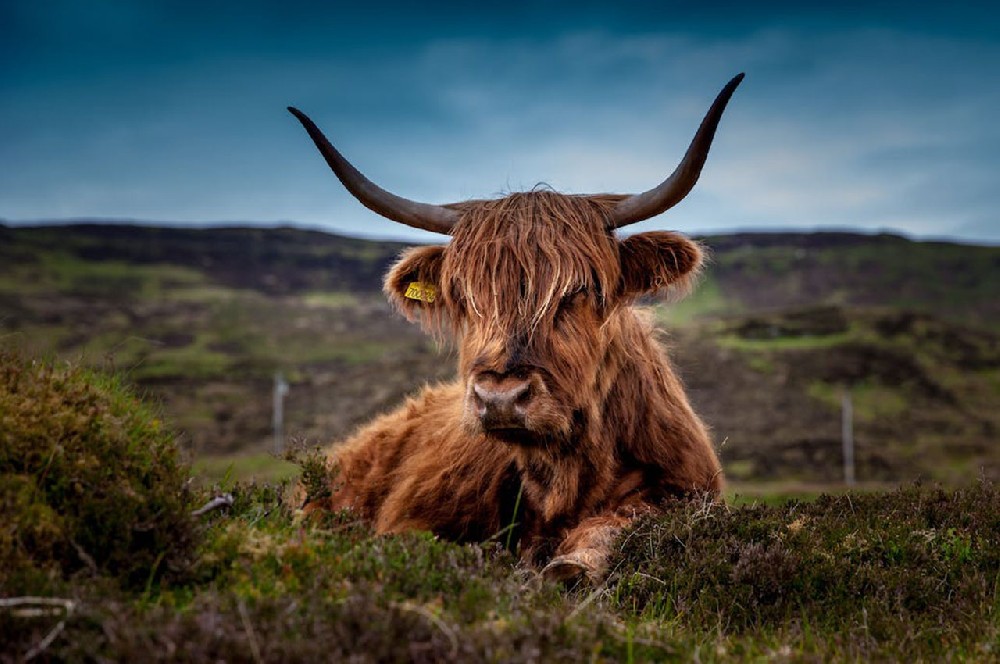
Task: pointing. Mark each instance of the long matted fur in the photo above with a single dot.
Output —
(534, 285)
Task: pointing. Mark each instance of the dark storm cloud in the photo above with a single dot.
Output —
(860, 115)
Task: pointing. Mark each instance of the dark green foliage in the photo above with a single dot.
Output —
(316, 476)
(912, 572)
(272, 586)
(812, 321)
(90, 480)
(908, 575)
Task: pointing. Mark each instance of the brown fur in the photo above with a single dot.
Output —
(533, 288)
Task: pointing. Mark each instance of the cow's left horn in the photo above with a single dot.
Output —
(433, 218)
(673, 190)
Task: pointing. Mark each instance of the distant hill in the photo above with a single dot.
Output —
(748, 271)
(271, 260)
(779, 270)
(780, 326)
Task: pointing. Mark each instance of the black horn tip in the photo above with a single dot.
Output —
(309, 125)
(733, 83)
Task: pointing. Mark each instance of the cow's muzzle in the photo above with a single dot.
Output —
(502, 401)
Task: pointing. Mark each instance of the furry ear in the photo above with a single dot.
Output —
(413, 283)
(658, 261)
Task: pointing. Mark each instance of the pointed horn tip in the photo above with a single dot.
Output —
(734, 83)
(304, 120)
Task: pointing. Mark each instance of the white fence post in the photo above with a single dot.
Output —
(278, 419)
(847, 436)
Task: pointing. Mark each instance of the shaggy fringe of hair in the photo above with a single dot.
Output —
(528, 251)
(536, 247)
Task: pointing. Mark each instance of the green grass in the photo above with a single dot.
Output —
(102, 526)
(740, 493)
(202, 294)
(870, 401)
(836, 578)
(329, 299)
(187, 363)
(844, 578)
(245, 468)
(64, 273)
(785, 342)
(762, 363)
(958, 282)
(992, 379)
(705, 300)
(242, 335)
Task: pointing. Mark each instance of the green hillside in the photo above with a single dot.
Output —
(779, 327)
(766, 271)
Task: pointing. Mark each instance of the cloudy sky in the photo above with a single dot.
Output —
(868, 115)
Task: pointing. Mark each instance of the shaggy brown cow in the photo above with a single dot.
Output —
(566, 417)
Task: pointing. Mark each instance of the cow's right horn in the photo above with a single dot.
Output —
(672, 191)
(428, 217)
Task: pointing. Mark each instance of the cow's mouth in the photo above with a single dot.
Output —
(512, 435)
(522, 437)
(517, 436)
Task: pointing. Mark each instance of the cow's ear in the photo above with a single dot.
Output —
(658, 262)
(413, 283)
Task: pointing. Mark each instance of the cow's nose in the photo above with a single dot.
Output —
(502, 404)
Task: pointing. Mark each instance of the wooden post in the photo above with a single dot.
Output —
(847, 436)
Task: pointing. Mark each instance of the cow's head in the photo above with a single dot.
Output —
(531, 285)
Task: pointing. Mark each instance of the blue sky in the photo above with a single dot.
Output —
(854, 115)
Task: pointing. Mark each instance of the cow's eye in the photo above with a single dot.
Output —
(571, 302)
(458, 301)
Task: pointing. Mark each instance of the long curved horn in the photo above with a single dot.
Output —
(418, 215)
(672, 190)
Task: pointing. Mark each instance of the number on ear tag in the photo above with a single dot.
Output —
(420, 291)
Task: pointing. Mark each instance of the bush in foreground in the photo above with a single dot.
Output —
(90, 480)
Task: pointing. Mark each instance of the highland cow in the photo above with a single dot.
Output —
(566, 421)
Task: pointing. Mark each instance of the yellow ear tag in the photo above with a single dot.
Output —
(418, 290)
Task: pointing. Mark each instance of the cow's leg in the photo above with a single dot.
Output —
(587, 547)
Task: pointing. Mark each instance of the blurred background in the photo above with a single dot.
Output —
(163, 216)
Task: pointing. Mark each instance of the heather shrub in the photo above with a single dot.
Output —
(90, 479)
(901, 567)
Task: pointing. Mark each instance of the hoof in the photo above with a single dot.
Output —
(566, 568)
(589, 563)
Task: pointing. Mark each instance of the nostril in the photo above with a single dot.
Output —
(477, 400)
(524, 396)
(521, 373)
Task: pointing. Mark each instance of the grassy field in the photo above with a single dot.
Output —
(903, 575)
(261, 468)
